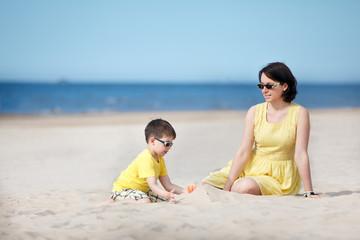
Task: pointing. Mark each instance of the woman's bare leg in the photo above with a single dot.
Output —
(246, 185)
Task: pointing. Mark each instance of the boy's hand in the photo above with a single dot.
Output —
(171, 196)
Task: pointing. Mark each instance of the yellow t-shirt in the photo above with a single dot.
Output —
(144, 166)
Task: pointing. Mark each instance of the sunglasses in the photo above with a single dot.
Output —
(167, 144)
(268, 86)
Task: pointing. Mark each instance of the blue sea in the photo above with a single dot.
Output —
(69, 98)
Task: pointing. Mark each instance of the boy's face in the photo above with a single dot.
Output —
(161, 145)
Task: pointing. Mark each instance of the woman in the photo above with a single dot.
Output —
(278, 161)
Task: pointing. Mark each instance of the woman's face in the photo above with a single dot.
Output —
(274, 94)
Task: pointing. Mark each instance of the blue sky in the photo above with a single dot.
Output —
(178, 41)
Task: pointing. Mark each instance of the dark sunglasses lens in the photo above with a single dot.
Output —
(168, 144)
(260, 86)
(269, 86)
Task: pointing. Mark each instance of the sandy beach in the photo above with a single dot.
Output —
(54, 169)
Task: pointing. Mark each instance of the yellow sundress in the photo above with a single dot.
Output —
(271, 163)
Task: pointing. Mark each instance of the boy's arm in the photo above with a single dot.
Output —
(159, 191)
(168, 185)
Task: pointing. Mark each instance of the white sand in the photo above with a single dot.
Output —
(53, 170)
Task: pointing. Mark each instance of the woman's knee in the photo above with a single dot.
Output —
(246, 186)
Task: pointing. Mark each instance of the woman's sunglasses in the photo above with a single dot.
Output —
(167, 144)
(268, 86)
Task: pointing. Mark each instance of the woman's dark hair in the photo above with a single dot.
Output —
(159, 128)
(279, 72)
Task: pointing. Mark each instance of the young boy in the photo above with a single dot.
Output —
(138, 182)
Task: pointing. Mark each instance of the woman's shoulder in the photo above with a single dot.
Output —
(303, 112)
(263, 104)
(252, 109)
(298, 107)
(257, 109)
(299, 112)
(257, 106)
(251, 113)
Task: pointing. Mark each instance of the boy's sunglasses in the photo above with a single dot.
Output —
(268, 86)
(167, 144)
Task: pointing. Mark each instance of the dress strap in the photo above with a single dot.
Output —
(294, 113)
(259, 113)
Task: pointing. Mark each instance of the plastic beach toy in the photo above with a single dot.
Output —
(191, 188)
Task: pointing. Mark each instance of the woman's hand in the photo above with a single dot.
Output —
(315, 196)
(311, 194)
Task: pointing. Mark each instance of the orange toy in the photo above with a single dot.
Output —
(191, 188)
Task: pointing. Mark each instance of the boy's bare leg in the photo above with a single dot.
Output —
(107, 202)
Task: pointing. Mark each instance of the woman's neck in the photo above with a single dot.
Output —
(276, 113)
(278, 106)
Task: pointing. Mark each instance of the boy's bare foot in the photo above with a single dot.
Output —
(107, 202)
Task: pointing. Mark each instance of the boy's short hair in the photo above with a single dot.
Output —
(158, 128)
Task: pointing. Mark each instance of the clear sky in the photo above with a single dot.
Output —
(178, 41)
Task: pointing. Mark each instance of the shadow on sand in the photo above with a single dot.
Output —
(341, 193)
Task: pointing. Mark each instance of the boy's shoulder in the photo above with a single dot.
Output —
(142, 159)
(145, 155)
